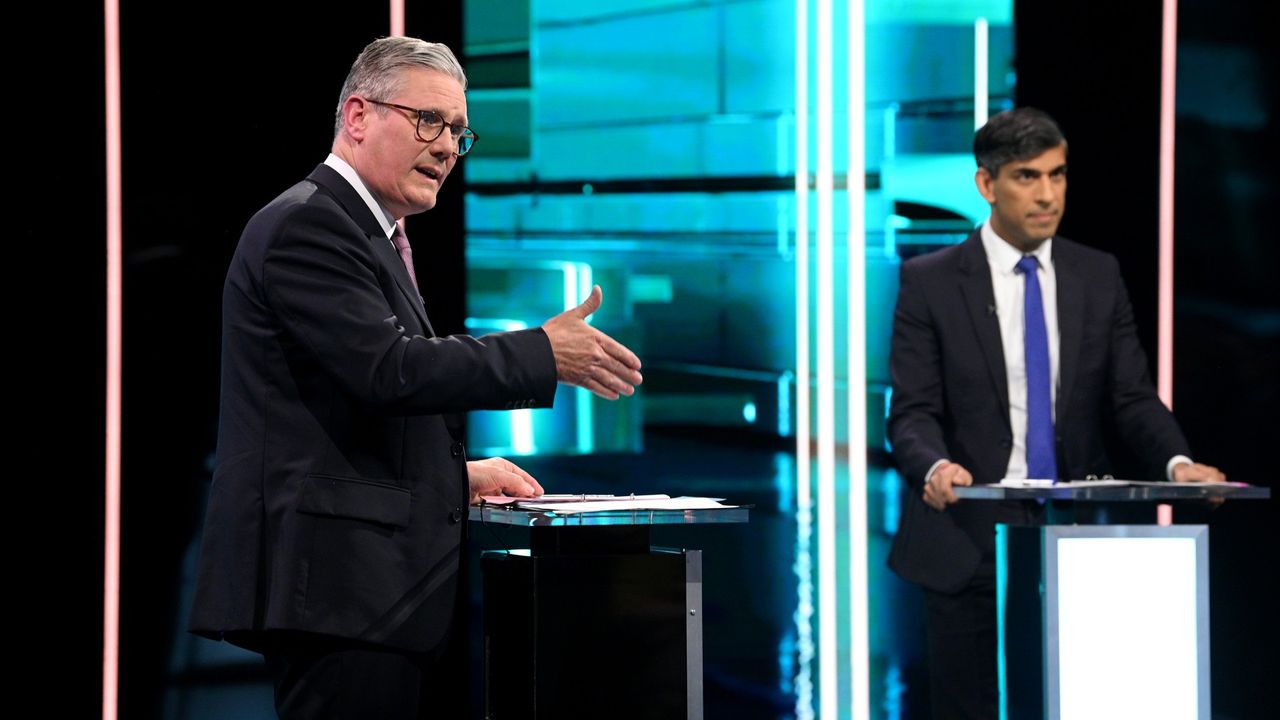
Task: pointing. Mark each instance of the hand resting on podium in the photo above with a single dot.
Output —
(937, 489)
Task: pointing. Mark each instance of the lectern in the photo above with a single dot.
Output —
(591, 620)
(1099, 619)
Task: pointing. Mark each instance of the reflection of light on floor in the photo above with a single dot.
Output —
(891, 490)
(784, 481)
(785, 381)
(894, 688)
(804, 613)
(787, 662)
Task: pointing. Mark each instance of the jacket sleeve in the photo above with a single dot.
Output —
(915, 364)
(320, 277)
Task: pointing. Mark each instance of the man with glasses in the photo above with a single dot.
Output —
(335, 523)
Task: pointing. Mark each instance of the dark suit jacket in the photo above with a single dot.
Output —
(950, 394)
(340, 494)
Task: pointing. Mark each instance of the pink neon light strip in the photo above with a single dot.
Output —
(397, 30)
(1168, 70)
(111, 573)
(397, 18)
(1168, 76)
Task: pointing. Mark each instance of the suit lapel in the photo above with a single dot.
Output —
(1071, 291)
(980, 301)
(391, 259)
(355, 206)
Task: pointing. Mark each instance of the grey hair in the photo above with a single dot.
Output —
(376, 72)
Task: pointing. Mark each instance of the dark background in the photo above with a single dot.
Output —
(227, 105)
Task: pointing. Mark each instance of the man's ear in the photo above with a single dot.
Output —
(986, 185)
(355, 117)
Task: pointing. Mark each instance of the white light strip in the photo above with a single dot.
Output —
(804, 500)
(577, 286)
(522, 432)
(858, 587)
(1168, 76)
(981, 99)
(802, 254)
(115, 330)
(825, 387)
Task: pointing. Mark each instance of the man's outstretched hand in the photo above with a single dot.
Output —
(586, 357)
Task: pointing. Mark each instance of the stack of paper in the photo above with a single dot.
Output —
(568, 504)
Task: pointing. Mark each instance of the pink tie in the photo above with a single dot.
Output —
(406, 253)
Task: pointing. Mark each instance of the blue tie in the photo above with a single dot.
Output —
(1041, 461)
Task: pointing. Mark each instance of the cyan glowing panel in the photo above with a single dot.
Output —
(631, 104)
(621, 69)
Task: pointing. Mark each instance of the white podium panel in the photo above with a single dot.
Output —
(1126, 622)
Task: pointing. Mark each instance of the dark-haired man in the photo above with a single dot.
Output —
(1010, 352)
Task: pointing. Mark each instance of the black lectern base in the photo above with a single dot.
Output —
(569, 634)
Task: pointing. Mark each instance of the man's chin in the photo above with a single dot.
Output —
(1041, 232)
(424, 203)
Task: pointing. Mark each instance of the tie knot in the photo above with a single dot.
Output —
(1027, 264)
(399, 240)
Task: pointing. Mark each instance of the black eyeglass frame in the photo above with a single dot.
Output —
(459, 133)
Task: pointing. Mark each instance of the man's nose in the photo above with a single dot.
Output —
(1044, 190)
(445, 146)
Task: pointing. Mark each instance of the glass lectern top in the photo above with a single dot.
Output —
(502, 515)
(1115, 491)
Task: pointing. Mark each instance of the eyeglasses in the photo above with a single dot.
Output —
(431, 126)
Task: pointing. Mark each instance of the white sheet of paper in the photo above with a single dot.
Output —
(680, 503)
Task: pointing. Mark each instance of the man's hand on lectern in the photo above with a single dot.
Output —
(937, 489)
(1197, 472)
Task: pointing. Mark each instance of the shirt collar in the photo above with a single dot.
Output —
(349, 174)
(1003, 257)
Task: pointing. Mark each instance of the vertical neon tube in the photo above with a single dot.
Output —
(824, 388)
(577, 286)
(804, 499)
(115, 294)
(981, 96)
(397, 18)
(855, 196)
(1168, 97)
(1168, 76)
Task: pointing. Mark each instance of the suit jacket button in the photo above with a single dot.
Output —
(1005, 443)
(455, 449)
(455, 517)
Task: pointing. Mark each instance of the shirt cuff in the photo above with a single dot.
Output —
(934, 467)
(1168, 468)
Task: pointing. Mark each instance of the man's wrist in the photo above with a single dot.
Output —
(1174, 462)
(934, 468)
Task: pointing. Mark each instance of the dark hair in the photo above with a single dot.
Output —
(1018, 134)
